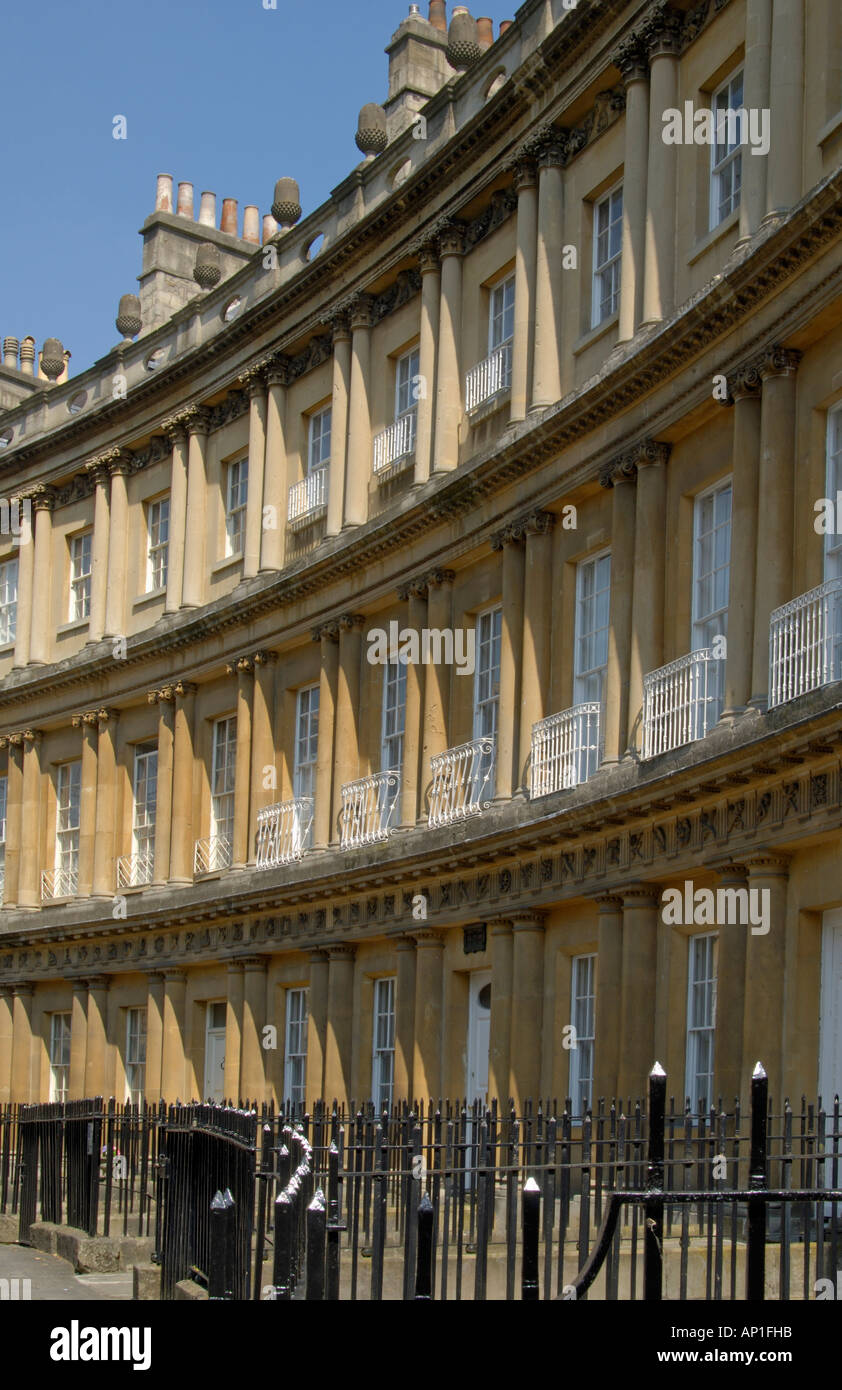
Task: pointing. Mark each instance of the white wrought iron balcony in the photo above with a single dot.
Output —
(368, 808)
(283, 832)
(565, 749)
(212, 854)
(681, 702)
(805, 643)
(489, 378)
(59, 883)
(461, 778)
(308, 499)
(394, 447)
(134, 870)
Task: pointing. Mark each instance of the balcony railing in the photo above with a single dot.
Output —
(308, 499)
(212, 855)
(134, 870)
(681, 702)
(59, 883)
(368, 807)
(805, 643)
(489, 378)
(565, 749)
(394, 447)
(283, 832)
(461, 777)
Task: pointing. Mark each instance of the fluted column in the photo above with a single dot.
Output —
(26, 580)
(637, 988)
(340, 1021)
(621, 477)
(526, 185)
(233, 1031)
(763, 1035)
(328, 638)
(358, 471)
(252, 1070)
(436, 676)
(449, 369)
(263, 788)
(346, 742)
(427, 1069)
(118, 546)
(43, 502)
(78, 1040)
(7, 1005)
(165, 700)
(500, 1026)
(662, 33)
(786, 102)
(506, 774)
(100, 474)
(745, 390)
(29, 889)
(154, 1036)
(776, 482)
(242, 768)
(256, 386)
(89, 724)
(14, 817)
(430, 267)
(176, 429)
(22, 1043)
(756, 77)
(173, 1069)
(97, 1040)
(549, 270)
(181, 856)
(631, 59)
(104, 872)
(527, 1007)
(193, 590)
(609, 978)
(647, 633)
(537, 627)
(404, 1017)
(341, 331)
(275, 472)
(316, 1026)
(415, 595)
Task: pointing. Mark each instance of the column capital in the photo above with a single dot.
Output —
(641, 895)
(98, 471)
(174, 976)
(121, 464)
(338, 321)
(107, 716)
(98, 982)
(31, 737)
(405, 943)
(451, 238)
(318, 956)
(745, 381)
(500, 926)
(621, 469)
(413, 588)
(15, 740)
(729, 870)
(23, 987)
(631, 59)
(265, 658)
(349, 622)
(524, 172)
(253, 380)
(254, 965)
(779, 361)
(661, 31)
(608, 903)
(527, 921)
(435, 578)
(42, 497)
(649, 451)
(175, 427)
(278, 370)
(242, 666)
(184, 689)
(361, 312)
(328, 632)
(234, 966)
(427, 254)
(428, 937)
(78, 983)
(509, 535)
(345, 952)
(767, 864)
(548, 146)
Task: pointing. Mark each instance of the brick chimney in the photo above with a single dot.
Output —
(417, 66)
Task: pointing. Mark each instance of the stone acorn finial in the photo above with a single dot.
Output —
(286, 208)
(207, 271)
(128, 320)
(52, 358)
(463, 48)
(371, 130)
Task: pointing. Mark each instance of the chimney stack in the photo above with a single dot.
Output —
(27, 356)
(163, 197)
(251, 224)
(207, 210)
(505, 25)
(229, 216)
(185, 200)
(438, 15)
(10, 352)
(485, 32)
(270, 227)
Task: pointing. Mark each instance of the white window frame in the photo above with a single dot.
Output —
(833, 487)
(706, 1027)
(383, 1042)
(4, 789)
(593, 583)
(501, 306)
(223, 775)
(488, 636)
(145, 792)
(393, 721)
(295, 1047)
(607, 266)
(407, 371)
(68, 816)
(306, 741)
(726, 160)
(714, 623)
(583, 1020)
(157, 543)
(135, 1055)
(60, 1025)
(81, 554)
(318, 431)
(8, 602)
(236, 501)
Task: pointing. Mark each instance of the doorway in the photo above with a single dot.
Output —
(215, 1051)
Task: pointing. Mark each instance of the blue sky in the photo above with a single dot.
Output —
(223, 93)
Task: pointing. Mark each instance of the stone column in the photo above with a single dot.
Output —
(756, 71)
(549, 271)
(275, 473)
(768, 881)
(427, 1071)
(430, 267)
(637, 988)
(233, 1031)
(26, 581)
(43, 501)
(176, 428)
(104, 869)
(252, 1071)
(78, 1040)
(786, 101)
(506, 773)
(193, 590)
(7, 1005)
(341, 331)
(243, 833)
(181, 856)
(262, 745)
(328, 637)
(631, 59)
(744, 388)
(165, 700)
(436, 677)
(500, 1029)
(537, 626)
(449, 371)
(14, 818)
(173, 1059)
(527, 1007)
(359, 414)
(95, 1073)
(22, 1043)
(776, 482)
(154, 1036)
(346, 743)
(731, 996)
(29, 888)
(316, 1026)
(620, 476)
(99, 472)
(647, 630)
(662, 33)
(415, 595)
(609, 978)
(256, 386)
(526, 185)
(118, 546)
(340, 1024)
(89, 724)
(404, 1017)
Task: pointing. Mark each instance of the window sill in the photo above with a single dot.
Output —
(490, 407)
(712, 237)
(152, 596)
(832, 128)
(77, 625)
(594, 334)
(7, 649)
(226, 563)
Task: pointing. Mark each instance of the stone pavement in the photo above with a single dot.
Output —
(54, 1279)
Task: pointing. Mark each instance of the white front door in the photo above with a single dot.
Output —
(215, 1052)
(830, 1019)
(479, 1035)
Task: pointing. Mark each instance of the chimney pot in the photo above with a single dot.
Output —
(207, 210)
(10, 352)
(505, 25)
(270, 227)
(185, 200)
(229, 216)
(27, 356)
(485, 32)
(163, 197)
(438, 15)
(251, 224)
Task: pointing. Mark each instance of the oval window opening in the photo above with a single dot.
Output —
(232, 309)
(77, 402)
(6, 438)
(401, 173)
(155, 359)
(315, 247)
(497, 81)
